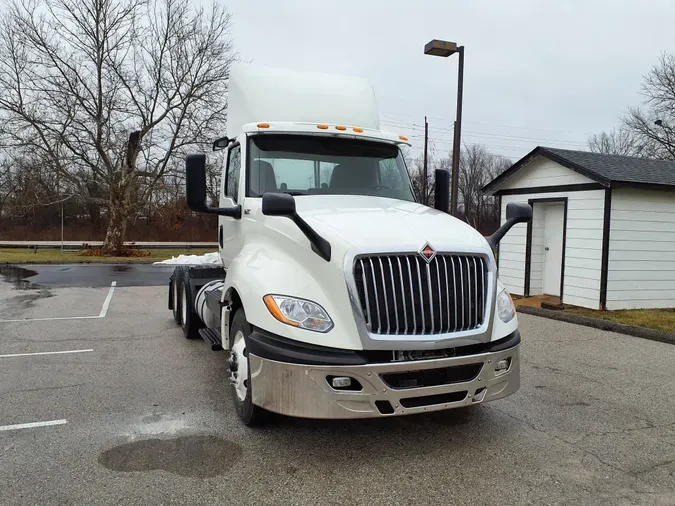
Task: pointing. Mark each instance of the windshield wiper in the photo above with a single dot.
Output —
(295, 194)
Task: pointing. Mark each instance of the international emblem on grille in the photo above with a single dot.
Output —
(428, 253)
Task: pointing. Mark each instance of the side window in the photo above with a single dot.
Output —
(390, 175)
(233, 171)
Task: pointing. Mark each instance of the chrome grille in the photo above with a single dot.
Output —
(403, 294)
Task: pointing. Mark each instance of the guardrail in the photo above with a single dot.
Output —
(78, 246)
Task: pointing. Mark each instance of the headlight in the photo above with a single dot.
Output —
(298, 312)
(505, 307)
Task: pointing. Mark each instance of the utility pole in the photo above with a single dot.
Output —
(457, 142)
(425, 199)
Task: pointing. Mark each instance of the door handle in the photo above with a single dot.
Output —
(220, 236)
(546, 248)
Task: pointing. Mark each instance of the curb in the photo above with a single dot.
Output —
(651, 334)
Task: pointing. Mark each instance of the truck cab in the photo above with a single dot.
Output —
(339, 295)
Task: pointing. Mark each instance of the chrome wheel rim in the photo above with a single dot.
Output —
(183, 306)
(239, 366)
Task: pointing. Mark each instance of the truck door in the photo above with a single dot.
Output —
(229, 229)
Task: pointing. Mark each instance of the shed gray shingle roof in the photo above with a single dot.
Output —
(608, 170)
(621, 168)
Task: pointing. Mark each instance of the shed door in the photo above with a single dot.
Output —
(553, 243)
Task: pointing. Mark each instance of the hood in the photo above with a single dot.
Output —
(381, 224)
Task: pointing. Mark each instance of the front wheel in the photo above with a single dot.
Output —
(239, 372)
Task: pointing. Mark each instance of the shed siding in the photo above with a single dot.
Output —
(543, 172)
(583, 249)
(641, 271)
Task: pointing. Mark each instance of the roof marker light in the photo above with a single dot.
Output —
(358, 130)
(322, 127)
(403, 137)
(263, 125)
(340, 127)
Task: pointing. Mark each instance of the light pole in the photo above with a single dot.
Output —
(444, 49)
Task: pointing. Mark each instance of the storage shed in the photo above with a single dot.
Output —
(602, 234)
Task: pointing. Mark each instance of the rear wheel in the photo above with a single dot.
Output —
(239, 372)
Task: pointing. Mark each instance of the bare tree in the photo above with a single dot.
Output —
(618, 141)
(416, 172)
(477, 167)
(110, 92)
(654, 127)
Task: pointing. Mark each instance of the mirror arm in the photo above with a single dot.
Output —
(320, 246)
(232, 212)
(498, 235)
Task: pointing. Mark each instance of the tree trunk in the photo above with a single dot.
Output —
(118, 214)
(121, 200)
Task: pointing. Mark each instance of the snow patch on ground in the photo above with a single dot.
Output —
(206, 259)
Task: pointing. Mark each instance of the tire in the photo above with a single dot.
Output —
(247, 412)
(175, 292)
(189, 320)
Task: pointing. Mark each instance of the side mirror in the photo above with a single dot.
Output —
(195, 189)
(220, 143)
(278, 204)
(195, 182)
(442, 190)
(521, 213)
(515, 213)
(283, 204)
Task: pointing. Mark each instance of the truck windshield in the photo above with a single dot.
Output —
(320, 165)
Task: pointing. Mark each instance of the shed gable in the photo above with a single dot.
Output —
(543, 172)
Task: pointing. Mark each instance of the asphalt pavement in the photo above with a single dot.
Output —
(86, 275)
(136, 414)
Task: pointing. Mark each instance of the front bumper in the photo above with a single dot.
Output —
(302, 390)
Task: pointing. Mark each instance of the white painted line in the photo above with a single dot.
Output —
(43, 353)
(104, 311)
(106, 302)
(49, 319)
(32, 425)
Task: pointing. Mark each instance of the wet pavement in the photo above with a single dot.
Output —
(87, 275)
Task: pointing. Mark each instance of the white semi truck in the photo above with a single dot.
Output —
(340, 295)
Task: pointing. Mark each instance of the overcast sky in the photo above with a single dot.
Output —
(537, 72)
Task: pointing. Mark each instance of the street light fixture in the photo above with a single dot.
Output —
(444, 49)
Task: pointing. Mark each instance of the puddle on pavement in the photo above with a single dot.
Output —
(17, 277)
(189, 456)
(120, 268)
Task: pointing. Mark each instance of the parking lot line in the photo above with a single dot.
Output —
(32, 425)
(106, 302)
(104, 311)
(43, 353)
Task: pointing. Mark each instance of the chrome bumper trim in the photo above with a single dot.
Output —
(302, 390)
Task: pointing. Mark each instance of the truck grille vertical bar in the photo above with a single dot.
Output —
(386, 295)
(415, 297)
(377, 301)
(405, 311)
(369, 319)
(475, 291)
(393, 288)
(431, 296)
(461, 288)
(412, 297)
(454, 288)
(440, 297)
(447, 291)
(421, 294)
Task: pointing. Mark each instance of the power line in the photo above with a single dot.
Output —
(445, 119)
